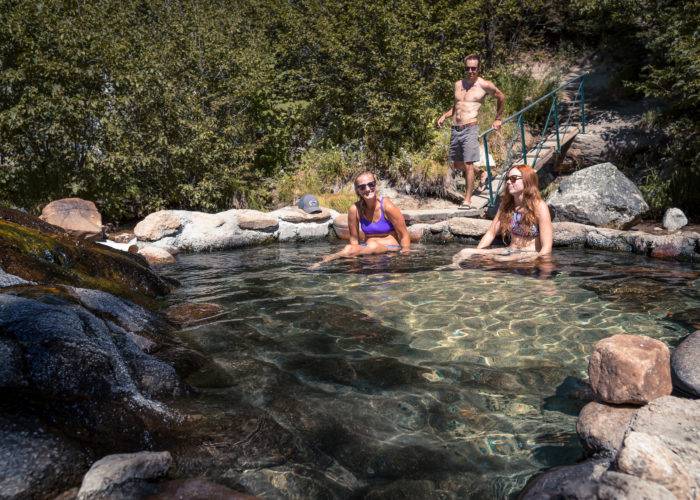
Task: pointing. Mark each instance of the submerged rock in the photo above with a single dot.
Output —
(184, 314)
(684, 365)
(124, 476)
(599, 195)
(196, 489)
(630, 369)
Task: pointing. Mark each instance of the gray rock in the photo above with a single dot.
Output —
(674, 219)
(645, 456)
(602, 427)
(570, 234)
(181, 230)
(35, 463)
(600, 196)
(676, 422)
(7, 279)
(608, 239)
(462, 226)
(289, 231)
(578, 481)
(685, 370)
(11, 365)
(122, 476)
(80, 369)
(617, 486)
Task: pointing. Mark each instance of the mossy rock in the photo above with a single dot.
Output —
(36, 251)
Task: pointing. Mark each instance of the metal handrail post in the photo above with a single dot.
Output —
(555, 104)
(583, 107)
(544, 132)
(534, 103)
(521, 124)
(489, 179)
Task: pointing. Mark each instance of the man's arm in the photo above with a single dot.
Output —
(444, 116)
(449, 112)
(500, 102)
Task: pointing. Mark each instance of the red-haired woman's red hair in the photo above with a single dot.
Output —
(531, 197)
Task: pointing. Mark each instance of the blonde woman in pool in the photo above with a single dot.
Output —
(376, 225)
(523, 219)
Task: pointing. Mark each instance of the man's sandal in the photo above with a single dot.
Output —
(465, 206)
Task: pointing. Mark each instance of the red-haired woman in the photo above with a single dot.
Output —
(374, 219)
(523, 219)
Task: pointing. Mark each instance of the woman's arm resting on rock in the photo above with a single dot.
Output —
(491, 233)
(396, 218)
(544, 221)
(353, 225)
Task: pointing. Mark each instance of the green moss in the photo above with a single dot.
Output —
(35, 253)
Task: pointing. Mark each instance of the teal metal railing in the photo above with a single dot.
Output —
(553, 125)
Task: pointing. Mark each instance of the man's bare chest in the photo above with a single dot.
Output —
(467, 92)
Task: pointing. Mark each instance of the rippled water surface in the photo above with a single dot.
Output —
(386, 370)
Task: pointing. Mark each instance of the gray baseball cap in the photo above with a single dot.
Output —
(309, 204)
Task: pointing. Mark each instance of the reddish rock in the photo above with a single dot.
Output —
(156, 256)
(192, 312)
(417, 231)
(121, 237)
(602, 427)
(78, 217)
(340, 226)
(630, 369)
(158, 225)
(257, 221)
(297, 215)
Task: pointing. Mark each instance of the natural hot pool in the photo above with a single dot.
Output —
(384, 372)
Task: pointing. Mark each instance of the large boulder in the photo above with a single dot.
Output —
(41, 253)
(630, 369)
(158, 225)
(181, 230)
(674, 421)
(124, 475)
(78, 217)
(600, 196)
(602, 427)
(77, 367)
(646, 457)
(684, 365)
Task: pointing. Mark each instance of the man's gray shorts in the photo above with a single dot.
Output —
(464, 144)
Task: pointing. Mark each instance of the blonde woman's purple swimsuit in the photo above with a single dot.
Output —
(382, 226)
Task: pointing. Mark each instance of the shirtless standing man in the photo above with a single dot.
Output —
(470, 93)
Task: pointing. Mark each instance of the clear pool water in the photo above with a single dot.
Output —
(385, 371)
